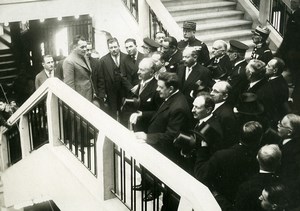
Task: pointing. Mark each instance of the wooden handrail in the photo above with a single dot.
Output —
(194, 194)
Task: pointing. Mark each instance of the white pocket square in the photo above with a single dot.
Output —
(149, 100)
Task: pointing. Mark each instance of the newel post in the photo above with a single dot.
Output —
(144, 18)
(25, 136)
(53, 119)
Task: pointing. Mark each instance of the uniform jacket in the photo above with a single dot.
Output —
(203, 53)
(77, 74)
(219, 67)
(262, 53)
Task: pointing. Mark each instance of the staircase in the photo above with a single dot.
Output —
(215, 19)
(8, 66)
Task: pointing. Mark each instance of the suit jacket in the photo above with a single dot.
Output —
(199, 72)
(172, 117)
(112, 85)
(132, 67)
(248, 193)
(229, 124)
(41, 77)
(219, 67)
(77, 74)
(171, 64)
(278, 97)
(226, 169)
(289, 170)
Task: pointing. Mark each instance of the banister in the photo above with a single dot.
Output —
(194, 194)
(165, 18)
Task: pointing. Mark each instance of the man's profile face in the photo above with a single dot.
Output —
(114, 48)
(163, 90)
(199, 111)
(48, 64)
(81, 47)
(89, 48)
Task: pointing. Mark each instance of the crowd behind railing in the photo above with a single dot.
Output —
(230, 122)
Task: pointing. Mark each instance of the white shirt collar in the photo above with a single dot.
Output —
(285, 141)
(172, 94)
(253, 83)
(239, 62)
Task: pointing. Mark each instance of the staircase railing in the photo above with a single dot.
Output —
(103, 145)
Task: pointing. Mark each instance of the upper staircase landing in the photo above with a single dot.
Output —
(215, 19)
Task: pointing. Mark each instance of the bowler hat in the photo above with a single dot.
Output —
(189, 25)
(248, 104)
(238, 46)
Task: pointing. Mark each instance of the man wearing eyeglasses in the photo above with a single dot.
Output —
(77, 69)
(289, 130)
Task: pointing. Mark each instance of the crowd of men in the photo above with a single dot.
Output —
(224, 119)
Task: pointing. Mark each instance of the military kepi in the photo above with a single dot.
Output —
(238, 46)
(151, 43)
(189, 25)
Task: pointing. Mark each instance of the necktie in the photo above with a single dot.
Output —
(116, 61)
(187, 72)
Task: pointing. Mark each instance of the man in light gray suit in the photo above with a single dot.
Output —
(77, 69)
(47, 72)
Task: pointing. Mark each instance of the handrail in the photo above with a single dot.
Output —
(165, 18)
(194, 195)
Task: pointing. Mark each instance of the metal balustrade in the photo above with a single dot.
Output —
(13, 145)
(78, 136)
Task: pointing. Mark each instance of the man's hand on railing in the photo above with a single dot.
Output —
(134, 117)
(141, 136)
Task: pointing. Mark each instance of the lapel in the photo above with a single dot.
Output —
(111, 65)
(147, 87)
(83, 62)
(192, 78)
(164, 106)
(139, 58)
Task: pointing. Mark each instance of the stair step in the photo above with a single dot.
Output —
(5, 57)
(7, 64)
(184, 2)
(5, 51)
(12, 69)
(197, 8)
(226, 36)
(210, 17)
(232, 25)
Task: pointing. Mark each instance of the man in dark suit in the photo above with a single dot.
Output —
(171, 117)
(189, 30)
(145, 97)
(112, 85)
(47, 72)
(171, 54)
(77, 69)
(166, 123)
(219, 64)
(192, 74)
(247, 197)
(278, 87)
(224, 112)
(289, 172)
(226, 169)
(132, 61)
